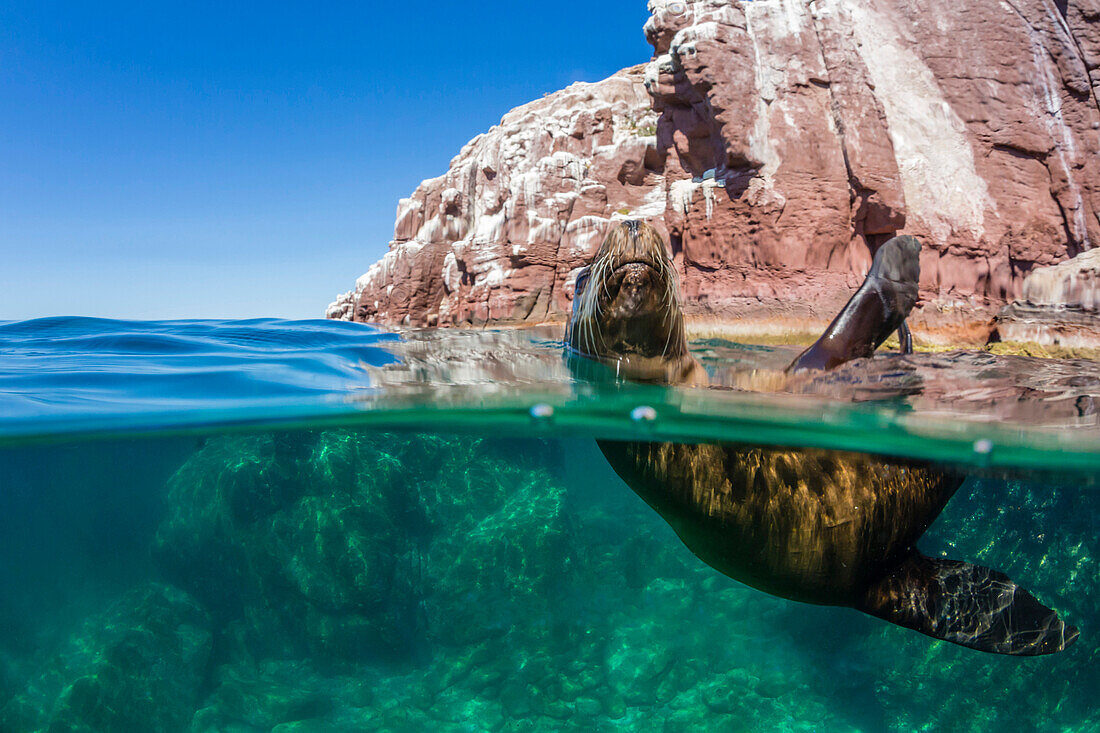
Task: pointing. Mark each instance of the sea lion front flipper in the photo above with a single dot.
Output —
(968, 605)
(877, 309)
(905, 339)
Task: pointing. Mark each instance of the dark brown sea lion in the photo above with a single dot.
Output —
(816, 526)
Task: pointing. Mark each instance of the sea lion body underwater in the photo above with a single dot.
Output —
(816, 526)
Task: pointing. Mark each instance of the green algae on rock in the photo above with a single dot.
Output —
(138, 666)
(376, 546)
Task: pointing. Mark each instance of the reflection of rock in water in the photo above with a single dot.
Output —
(472, 367)
(546, 597)
(434, 362)
(968, 384)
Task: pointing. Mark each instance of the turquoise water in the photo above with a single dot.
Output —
(271, 525)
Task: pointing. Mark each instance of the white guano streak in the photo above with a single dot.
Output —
(760, 137)
(1050, 110)
(942, 187)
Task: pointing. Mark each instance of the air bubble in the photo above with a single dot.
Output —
(542, 411)
(643, 413)
(983, 447)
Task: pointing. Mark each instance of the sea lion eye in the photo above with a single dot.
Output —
(581, 281)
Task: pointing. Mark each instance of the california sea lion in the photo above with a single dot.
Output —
(817, 526)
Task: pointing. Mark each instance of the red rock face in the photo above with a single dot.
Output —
(776, 143)
(499, 237)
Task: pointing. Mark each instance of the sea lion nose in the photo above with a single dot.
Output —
(636, 276)
(634, 284)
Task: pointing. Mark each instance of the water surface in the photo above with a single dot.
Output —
(76, 376)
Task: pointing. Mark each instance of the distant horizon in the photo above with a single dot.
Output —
(219, 164)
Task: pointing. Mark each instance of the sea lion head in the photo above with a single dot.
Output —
(626, 306)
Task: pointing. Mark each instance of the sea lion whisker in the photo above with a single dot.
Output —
(668, 340)
(583, 326)
(670, 290)
(592, 331)
(605, 276)
(598, 330)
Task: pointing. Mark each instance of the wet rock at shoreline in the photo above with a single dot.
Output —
(1060, 306)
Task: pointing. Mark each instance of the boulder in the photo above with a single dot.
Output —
(1060, 305)
(140, 665)
(344, 547)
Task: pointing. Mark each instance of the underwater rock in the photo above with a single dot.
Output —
(775, 144)
(139, 666)
(1060, 305)
(313, 554)
(340, 545)
(406, 583)
(263, 697)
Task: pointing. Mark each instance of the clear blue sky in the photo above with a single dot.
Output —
(174, 160)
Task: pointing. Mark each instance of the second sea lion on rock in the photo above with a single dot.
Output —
(817, 526)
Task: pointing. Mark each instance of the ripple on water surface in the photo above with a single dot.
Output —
(60, 376)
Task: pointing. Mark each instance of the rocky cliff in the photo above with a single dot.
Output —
(776, 143)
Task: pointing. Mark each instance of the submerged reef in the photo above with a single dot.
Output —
(328, 581)
(138, 666)
(337, 546)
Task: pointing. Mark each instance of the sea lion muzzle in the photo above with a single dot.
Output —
(626, 308)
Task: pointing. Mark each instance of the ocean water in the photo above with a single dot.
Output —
(319, 526)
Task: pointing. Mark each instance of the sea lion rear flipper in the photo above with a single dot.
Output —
(878, 308)
(968, 605)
